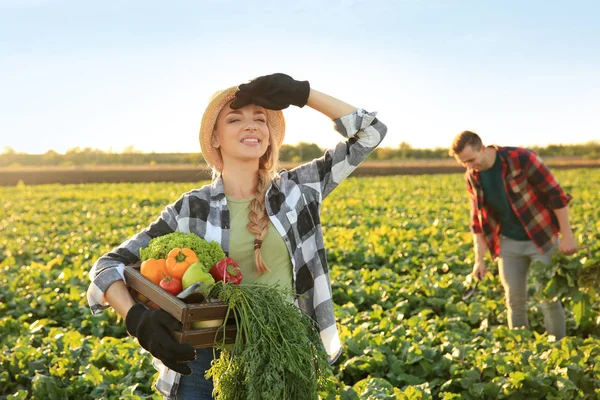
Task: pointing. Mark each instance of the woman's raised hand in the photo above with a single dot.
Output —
(274, 92)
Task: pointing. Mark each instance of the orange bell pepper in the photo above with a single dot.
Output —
(154, 269)
(178, 261)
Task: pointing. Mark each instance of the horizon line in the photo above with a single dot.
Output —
(9, 150)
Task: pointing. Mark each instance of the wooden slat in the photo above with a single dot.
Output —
(200, 338)
(207, 311)
(186, 313)
(155, 293)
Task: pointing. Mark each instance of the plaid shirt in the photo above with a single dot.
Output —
(533, 193)
(293, 203)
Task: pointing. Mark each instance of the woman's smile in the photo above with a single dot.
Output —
(250, 140)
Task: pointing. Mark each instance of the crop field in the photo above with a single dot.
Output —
(399, 253)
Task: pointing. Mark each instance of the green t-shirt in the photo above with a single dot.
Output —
(273, 250)
(495, 197)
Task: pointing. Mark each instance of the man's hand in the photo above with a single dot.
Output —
(479, 271)
(568, 244)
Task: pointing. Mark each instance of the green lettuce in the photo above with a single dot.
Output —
(159, 247)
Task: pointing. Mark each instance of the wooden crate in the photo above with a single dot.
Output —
(185, 311)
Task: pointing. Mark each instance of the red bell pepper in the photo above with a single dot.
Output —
(227, 270)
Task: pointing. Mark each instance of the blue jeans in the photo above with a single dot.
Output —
(195, 386)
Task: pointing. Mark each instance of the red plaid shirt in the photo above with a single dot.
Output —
(533, 192)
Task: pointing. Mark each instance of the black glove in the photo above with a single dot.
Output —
(151, 328)
(274, 92)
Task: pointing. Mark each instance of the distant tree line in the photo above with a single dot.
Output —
(288, 153)
(88, 156)
(130, 156)
(588, 150)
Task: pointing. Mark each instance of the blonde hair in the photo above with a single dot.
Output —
(259, 219)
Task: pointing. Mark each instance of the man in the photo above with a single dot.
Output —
(518, 211)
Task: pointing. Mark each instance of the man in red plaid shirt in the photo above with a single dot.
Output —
(518, 211)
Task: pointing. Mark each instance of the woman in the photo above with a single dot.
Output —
(269, 222)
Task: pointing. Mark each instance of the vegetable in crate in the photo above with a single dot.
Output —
(171, 285)
(227, 270)
(159, 247)
(154, 269)
(277, 354)
(178, 261)
(197, 272)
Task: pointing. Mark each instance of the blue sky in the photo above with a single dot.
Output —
(113, 74)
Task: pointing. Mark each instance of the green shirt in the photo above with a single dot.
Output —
(273, 250)
(495, 197)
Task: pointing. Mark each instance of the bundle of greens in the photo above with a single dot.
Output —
(565, 276)
(159, 247)
(576, 278)
(278, 353)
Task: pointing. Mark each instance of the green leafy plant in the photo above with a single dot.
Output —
(398, 250)
(159, 247)
(277, 353)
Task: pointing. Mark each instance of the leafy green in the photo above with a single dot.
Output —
(564, 276)
(278, 353)
(397, 265)
(208, 252)
(574, 277)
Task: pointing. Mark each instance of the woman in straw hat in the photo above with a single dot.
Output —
(266, 220)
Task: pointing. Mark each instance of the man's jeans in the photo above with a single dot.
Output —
(515, 258)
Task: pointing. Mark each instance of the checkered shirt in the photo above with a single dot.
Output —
(533, 193)
(293, 203)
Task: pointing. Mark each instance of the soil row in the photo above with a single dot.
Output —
(194, 173)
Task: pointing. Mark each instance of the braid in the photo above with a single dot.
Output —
(259, 220)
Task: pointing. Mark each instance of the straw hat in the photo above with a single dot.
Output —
(220, 99)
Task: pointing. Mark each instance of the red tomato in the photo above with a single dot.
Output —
(171, 285)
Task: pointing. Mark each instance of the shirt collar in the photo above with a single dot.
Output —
(217, 190)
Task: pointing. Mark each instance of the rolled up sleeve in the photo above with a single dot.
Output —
(475, 225)
(363, 133)
(111, 266)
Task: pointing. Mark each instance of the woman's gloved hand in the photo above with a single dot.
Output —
(274, 92)
(151, 328)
